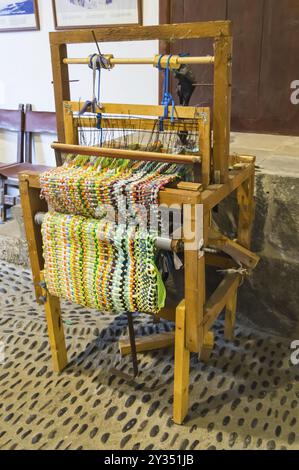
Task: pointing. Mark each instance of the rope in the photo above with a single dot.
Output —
(167, 98)
(97, 62)
(242, 271)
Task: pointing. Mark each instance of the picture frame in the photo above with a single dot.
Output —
(22, 15)
(83, 14)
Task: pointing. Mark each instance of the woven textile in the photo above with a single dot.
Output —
(91, 259)
(101, 265)
(83, 186)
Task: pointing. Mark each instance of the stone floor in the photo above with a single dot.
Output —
(276, 154)
(245, 398)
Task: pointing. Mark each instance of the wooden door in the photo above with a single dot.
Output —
(265, 59)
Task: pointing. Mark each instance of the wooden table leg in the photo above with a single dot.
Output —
(181, 367)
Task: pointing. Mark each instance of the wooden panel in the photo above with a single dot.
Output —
(198, 10)
(279, 67)
(142, 33)
(247, 34)
(265, 59)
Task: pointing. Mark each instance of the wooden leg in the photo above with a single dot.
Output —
(31, 204)
(230, 316)
(181, 367)
(195, 284)
(55, 331)
(245, 195)
(208, 346)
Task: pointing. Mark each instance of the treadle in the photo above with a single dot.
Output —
(147, 343)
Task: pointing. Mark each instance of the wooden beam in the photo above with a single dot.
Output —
(184, 112)
(232, 248)
(219, 299)
(147, 343)
(194, 270)
(31, 204)
(215, 193)
(61, 85)
(208, 346)
(137, 155)
(55, 331)
(167, 32)
(205, 148)
(219, 261)
(181, 367)
(246, 202)
(222, 107)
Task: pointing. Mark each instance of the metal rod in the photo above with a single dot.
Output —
(161, 243)
(127, 154)
(132, 343)
(143, 60)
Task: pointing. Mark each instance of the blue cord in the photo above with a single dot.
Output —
(167, 97)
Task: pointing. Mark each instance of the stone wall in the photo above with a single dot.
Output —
(270, 298)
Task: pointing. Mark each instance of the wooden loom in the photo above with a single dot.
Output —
(216, 176)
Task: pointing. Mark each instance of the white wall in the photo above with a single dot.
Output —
(26, 74)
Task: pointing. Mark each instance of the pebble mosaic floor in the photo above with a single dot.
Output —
(245, 398)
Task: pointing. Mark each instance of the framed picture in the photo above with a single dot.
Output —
(19, 15)
(69, 14)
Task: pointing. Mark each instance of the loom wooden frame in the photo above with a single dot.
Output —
(195, 315)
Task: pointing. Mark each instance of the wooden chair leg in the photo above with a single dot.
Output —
(230, 316)
(2, 201)
(181, 367)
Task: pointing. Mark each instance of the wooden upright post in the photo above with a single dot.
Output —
(194, 266)
(222, 107)
(61, 85)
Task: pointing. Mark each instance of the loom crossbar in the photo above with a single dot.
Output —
(175, 61)
(126, 154)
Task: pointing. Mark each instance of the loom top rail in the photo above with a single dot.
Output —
(174, 61)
